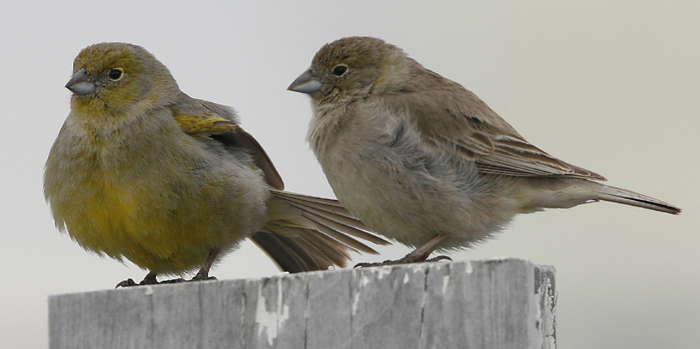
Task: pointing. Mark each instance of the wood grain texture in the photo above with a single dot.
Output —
(503, 303)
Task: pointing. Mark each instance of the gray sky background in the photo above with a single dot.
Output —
(610, 86)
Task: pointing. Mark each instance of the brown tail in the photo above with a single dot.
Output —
(627, 197)
(307, 233)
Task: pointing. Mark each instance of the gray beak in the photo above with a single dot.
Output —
(80, 83)
(306, 83)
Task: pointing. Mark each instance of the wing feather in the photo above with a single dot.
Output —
(456, 121)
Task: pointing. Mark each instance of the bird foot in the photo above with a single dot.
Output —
(207, 278)
(150, 279)
(203, 275)
(439, 258)
(408, 259)
(126, 283)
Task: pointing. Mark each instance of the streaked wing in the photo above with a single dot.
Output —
(512, 156)
(458, 121)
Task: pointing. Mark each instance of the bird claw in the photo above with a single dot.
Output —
(126, 283)
(198, 278)
(439, 258)
(408, 259)
(151, 280)
(368, 265)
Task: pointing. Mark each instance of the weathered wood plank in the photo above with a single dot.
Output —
(177, 316)
(546, 290)
(387, 307)
(329, 317)
(505, 303)
(222, 325)
(480, 306)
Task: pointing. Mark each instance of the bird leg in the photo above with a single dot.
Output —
(203, 273)
(150, 279)
(422, 253)
(419, 255)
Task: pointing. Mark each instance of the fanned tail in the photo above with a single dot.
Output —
(308, 233)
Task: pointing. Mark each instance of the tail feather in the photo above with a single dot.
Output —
(628, 197)
(286, 252)
(330, 207)
(327, 249)
(326, 227)
(330, 213)
(307, 233)
(317, 244)
(341, 223)
(306, 198)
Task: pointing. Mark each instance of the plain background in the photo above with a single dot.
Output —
(609, 86)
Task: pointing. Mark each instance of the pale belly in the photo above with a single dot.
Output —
(412, 207)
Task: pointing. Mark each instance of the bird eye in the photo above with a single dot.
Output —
(340, 70)
(116, 73)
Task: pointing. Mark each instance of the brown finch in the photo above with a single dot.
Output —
(424, 161)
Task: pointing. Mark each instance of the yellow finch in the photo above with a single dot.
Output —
(142, 171)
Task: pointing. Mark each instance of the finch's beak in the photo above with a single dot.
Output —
(80, 83)
(306, 83)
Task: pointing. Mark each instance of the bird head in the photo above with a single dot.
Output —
(353, 67)
(116, 77)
